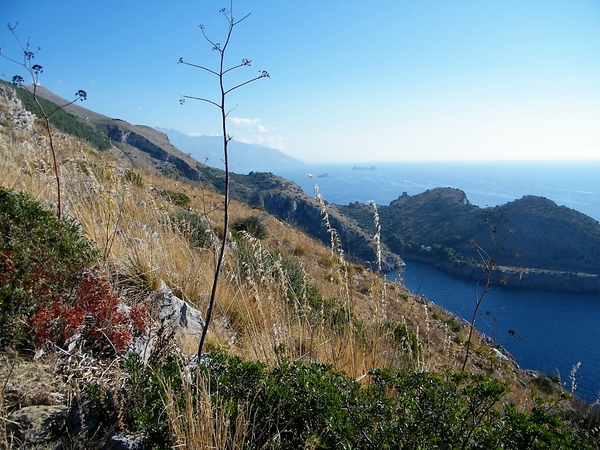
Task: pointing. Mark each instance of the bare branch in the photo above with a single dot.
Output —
(183, 97)
(263, 75)
(245, 62)
(215, 45)
(243, 18)
(182, 61)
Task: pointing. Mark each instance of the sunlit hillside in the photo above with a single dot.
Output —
(283, 297)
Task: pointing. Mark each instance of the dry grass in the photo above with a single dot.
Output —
(201, 424)
(256, 317)
(131, 226)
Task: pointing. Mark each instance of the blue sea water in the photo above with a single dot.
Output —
(555, 330)
(573, 184)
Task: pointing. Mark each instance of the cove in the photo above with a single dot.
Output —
(553, 331)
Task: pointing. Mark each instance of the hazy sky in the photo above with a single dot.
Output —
(350, 81)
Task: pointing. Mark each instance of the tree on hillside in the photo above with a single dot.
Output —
(220, 73)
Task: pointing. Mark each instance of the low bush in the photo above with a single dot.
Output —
(134, 178)
(177, 198)
(251, 225)
(104, 326)
(144, 406)
(296, 405)
(194, 227)
(42, 261)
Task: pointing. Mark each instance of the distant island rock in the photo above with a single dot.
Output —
(364, 168)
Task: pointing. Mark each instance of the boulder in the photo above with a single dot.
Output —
(36, 425)
(176, 314)
(177, 318)
(123, 441)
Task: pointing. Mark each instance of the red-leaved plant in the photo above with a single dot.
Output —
(95, 315)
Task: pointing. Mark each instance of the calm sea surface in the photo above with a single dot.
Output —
(555, 330)
(573, 184)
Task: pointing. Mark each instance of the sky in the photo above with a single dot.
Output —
(391, 80)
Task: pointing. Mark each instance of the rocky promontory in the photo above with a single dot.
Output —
(534, 243)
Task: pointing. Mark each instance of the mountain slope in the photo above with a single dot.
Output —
(557, 248)
(244, 158)
(140, 145)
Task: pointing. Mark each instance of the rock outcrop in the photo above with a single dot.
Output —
(536, 243)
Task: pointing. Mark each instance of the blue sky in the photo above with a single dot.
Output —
(350, 81)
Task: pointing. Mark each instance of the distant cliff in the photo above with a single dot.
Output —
(538, 243)
(286, 200)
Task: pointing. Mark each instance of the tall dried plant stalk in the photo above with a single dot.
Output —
(221, 73)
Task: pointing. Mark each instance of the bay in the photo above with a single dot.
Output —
(555, 330)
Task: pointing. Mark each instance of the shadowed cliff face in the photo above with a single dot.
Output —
(286, 200)
(127, 136)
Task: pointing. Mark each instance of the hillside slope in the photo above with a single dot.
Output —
(150, 149)
(302, 337)
(557, 248)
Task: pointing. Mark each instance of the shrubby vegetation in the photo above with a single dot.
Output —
(104, 328)
(251, 225)
(42, 261)
(295, 405)
(175, 197)
(195, 227)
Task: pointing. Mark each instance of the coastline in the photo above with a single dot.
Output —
(519, 277)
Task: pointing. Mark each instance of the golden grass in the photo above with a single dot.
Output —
(130, 225)
(255, 316)
(200, 423)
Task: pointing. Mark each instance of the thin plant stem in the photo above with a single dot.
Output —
(221, 104)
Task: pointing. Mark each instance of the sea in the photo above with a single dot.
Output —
(551, 332)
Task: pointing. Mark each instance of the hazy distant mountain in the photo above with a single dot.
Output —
(243, 158)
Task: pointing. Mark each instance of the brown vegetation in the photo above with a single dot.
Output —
(358, 321)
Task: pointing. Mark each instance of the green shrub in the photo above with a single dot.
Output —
(194, 227)
(292, 404)
(134, 178)
(42, 260)
(295, 405)
(251, 225)
(177, 198)
(404, 337)
(144, 408)
(546, 384)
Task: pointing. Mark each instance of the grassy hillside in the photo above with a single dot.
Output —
(309, 349)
